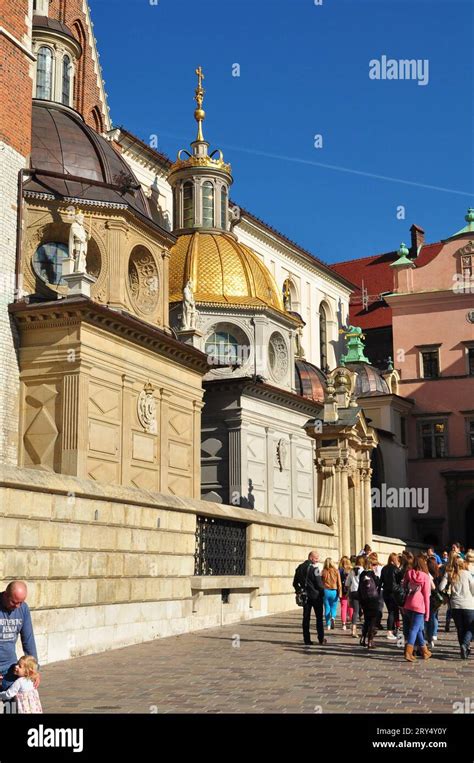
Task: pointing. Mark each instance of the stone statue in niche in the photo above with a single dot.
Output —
(78, 240)
(299, 351)
(146, 409)
(189, 316)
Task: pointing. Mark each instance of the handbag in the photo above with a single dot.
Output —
(437, 599)
(400, 594)
(302, 596)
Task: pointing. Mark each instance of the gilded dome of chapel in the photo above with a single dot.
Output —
(222, 271)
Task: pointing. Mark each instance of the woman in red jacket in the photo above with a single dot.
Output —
(417, 582)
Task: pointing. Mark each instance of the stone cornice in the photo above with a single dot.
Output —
(76, 310)
(38, 480)
(415, 297)
(246, 385)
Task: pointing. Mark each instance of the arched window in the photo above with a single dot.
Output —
(44, 73)
(224, 208)
(66, 91)
(222, 348)
(207, 205)
(188, 205)
(323, 339)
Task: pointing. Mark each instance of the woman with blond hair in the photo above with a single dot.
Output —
(461, 582)
(345, 567)
(332, 591)
(352, 588)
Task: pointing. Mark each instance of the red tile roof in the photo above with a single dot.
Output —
(375, 274)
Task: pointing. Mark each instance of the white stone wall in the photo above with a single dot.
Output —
(278, 457)
(11, 162)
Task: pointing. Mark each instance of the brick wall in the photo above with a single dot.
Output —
(15, 141)
(88, 95)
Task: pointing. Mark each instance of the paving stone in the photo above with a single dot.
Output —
(270, 672)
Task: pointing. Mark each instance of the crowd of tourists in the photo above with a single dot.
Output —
(409, 589)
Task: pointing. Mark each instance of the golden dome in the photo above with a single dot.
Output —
(222, 271)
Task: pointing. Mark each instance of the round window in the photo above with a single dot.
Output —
(48, 262)
(278, 356)
(222, 348)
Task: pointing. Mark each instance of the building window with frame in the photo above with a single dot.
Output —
(44, 73)
(222, 348)
(403, 430)
(470, 361)
(188, 205)
(207, 205)
(433, 437)
(470, 436)
(466, 266)
(323, 339)
(224, 208)
(66, 89)
(430, 364)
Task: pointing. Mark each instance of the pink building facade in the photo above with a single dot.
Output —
(433, 344)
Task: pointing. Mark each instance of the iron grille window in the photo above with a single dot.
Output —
(430, 364)
(221, 547)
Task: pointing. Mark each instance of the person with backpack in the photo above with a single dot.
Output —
(369, 600)
(352, 588)
(417, 583)
(389, 579)
(458, 577)
(307, 582)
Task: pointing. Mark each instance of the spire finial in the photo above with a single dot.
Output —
(199, 114)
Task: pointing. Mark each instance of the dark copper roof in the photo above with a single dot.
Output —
(369, 380)
(310, 381)
(62, 144)
(44, 22)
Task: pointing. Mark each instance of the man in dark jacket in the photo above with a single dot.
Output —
(308, 579)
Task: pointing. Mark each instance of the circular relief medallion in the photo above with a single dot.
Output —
(470, 316)
(143, 280)
(278, 356)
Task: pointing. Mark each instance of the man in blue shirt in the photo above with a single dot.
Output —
(431, 552)
(15, 620)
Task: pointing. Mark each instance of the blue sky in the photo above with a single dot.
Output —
(304, 71)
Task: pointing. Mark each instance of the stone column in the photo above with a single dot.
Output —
(163, 442)
(345, 512)
(165, 255)
(196, 446)
(367, 507)
(127, 424)
(358, 512)
(75, 422)
(116, 232)
(293, 475)
(235, 462)
(269, 450)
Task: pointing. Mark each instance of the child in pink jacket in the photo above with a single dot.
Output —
(417, 583)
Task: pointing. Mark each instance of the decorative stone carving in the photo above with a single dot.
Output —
(146, 409)
(281, 454)
(143, 280)
(299, 351)
(278, 356)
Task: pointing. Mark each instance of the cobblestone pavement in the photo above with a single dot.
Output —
(270, 671)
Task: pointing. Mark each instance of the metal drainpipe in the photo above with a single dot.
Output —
(19, 233)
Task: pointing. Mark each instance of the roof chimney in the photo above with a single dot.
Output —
(417, 239)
